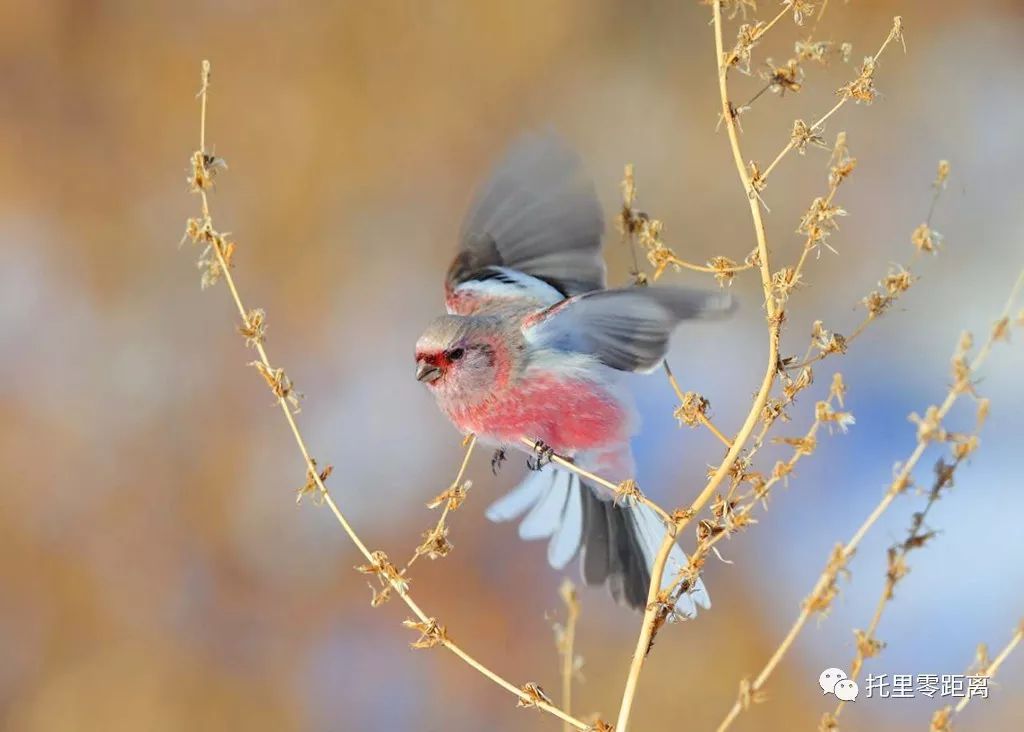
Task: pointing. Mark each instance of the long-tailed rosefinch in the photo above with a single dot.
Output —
(534, 346)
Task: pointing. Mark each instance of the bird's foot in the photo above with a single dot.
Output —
(542, 457)
(497, 459)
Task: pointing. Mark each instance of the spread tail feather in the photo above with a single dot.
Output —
(618, 543)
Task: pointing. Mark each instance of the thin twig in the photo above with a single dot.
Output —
(894, 33)
(891, 287)
(756, 35)
(675, 261)
(739, 441)
(736, 511)
(636, 225)
(991, 669)
(825, 588)
(867, 643)
(757, 96)
(942, 720)
(625, 491)
(809, 360)
(565, 639)
(701, 417)
(437, 635)
(451, 498)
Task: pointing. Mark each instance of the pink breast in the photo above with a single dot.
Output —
(567, 415)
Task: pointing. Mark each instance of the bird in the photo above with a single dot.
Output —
(534, 345)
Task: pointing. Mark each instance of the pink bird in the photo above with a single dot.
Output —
(533, 346)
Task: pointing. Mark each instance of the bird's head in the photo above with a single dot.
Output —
(459, 357)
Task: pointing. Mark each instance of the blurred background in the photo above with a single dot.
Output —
(155, 572)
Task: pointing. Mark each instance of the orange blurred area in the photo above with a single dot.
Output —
(155, 572)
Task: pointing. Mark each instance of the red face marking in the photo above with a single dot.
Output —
(442, 360)
(434, 358)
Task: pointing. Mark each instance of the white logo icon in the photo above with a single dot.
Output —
(847, 690)
(829, 678)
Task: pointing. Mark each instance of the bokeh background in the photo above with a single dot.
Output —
(155, 572)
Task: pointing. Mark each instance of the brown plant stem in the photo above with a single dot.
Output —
(942, 719)
(700, 416)
(675, 261)
(740, 517)
(470, 443)
(396, 584)
(817, 599)
(993, 667)
(739, 441)
(757, 34)
(567, 643)
(867, 643)
(896, 32)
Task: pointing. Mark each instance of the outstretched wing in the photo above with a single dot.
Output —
(537, 215)
(628, 328)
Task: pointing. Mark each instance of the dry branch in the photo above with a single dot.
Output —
(654, 606)
(861, 90)
(942, 719)
(565, 641)
(867, 643)
(217, 263)
(929, 430)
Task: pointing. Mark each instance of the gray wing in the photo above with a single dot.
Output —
(628, 328)
(537, 214)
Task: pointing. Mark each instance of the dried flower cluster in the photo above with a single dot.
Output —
(313, 482)
(534, 696)
(636, 226)
(387, 575)
(821, 51)
(803, 135)
(732, 513)
(924, 237)
(694, 407)
(435, 543)
(431, 634)
(278, 381)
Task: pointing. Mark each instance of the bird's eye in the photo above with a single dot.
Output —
(456, 353)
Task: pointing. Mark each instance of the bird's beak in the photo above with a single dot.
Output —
(427, 372)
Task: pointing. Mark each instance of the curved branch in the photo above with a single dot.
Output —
(435, 634)
(654, 607)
